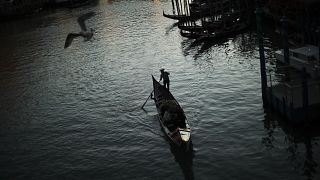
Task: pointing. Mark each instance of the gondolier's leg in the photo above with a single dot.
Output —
(166, 84)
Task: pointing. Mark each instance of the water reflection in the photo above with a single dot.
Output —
(157, 1)
(206, 45)
(96, 2)
(170, 28)
(269, 124)
(106, 1)
(243, 44)
(200, 46)
(301, 138)
(300, 143)
(185, 160)
(309, 164)
(246, 43)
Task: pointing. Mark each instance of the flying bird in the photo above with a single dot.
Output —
(85, 33)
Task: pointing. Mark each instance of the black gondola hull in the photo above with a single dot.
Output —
(178, 133)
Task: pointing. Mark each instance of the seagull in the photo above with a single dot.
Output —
(87, 35)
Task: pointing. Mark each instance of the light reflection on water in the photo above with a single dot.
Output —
(75, 113)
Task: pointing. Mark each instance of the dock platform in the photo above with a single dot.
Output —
(298, 100)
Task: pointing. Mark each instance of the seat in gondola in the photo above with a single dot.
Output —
(172, 114)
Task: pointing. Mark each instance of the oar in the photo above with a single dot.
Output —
(147, 99)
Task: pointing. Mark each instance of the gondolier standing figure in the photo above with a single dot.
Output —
(165, 76)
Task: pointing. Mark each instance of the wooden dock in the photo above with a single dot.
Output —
(298, 100)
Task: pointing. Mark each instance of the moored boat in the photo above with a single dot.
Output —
(192, 28)
(182, 17)
(171, 116)
(221, 32)
(174, 16)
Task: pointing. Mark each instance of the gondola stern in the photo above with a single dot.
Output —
(185, 135)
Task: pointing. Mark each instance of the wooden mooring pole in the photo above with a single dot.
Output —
(284, 37)
(318, 35)
(305, 93)
(173, 11)
(261, 53)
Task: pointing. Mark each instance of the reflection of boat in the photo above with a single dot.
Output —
(222, 32)
(185, 160)
(171, 116)
(225, 31)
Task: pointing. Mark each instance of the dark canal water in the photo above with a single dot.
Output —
(75, 113)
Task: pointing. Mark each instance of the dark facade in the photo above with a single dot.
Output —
(11, 8)
(17, 8)
(303, 18)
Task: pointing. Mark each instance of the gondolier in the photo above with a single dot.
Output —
(165, 76)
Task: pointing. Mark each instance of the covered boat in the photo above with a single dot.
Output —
(171, 116)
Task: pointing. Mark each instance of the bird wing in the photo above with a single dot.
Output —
(69, 39)
(83, 18)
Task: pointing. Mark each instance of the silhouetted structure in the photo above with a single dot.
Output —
(296, 96)
(10, 9)
(215, 19)
(303, 17)
(14, 8)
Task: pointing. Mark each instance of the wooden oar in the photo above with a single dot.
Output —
(147, 99)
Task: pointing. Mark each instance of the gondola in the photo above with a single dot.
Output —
(175, 17)
(211, 34)
(192, 28)
(190, 34)
(171, 116)
(181, 18)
